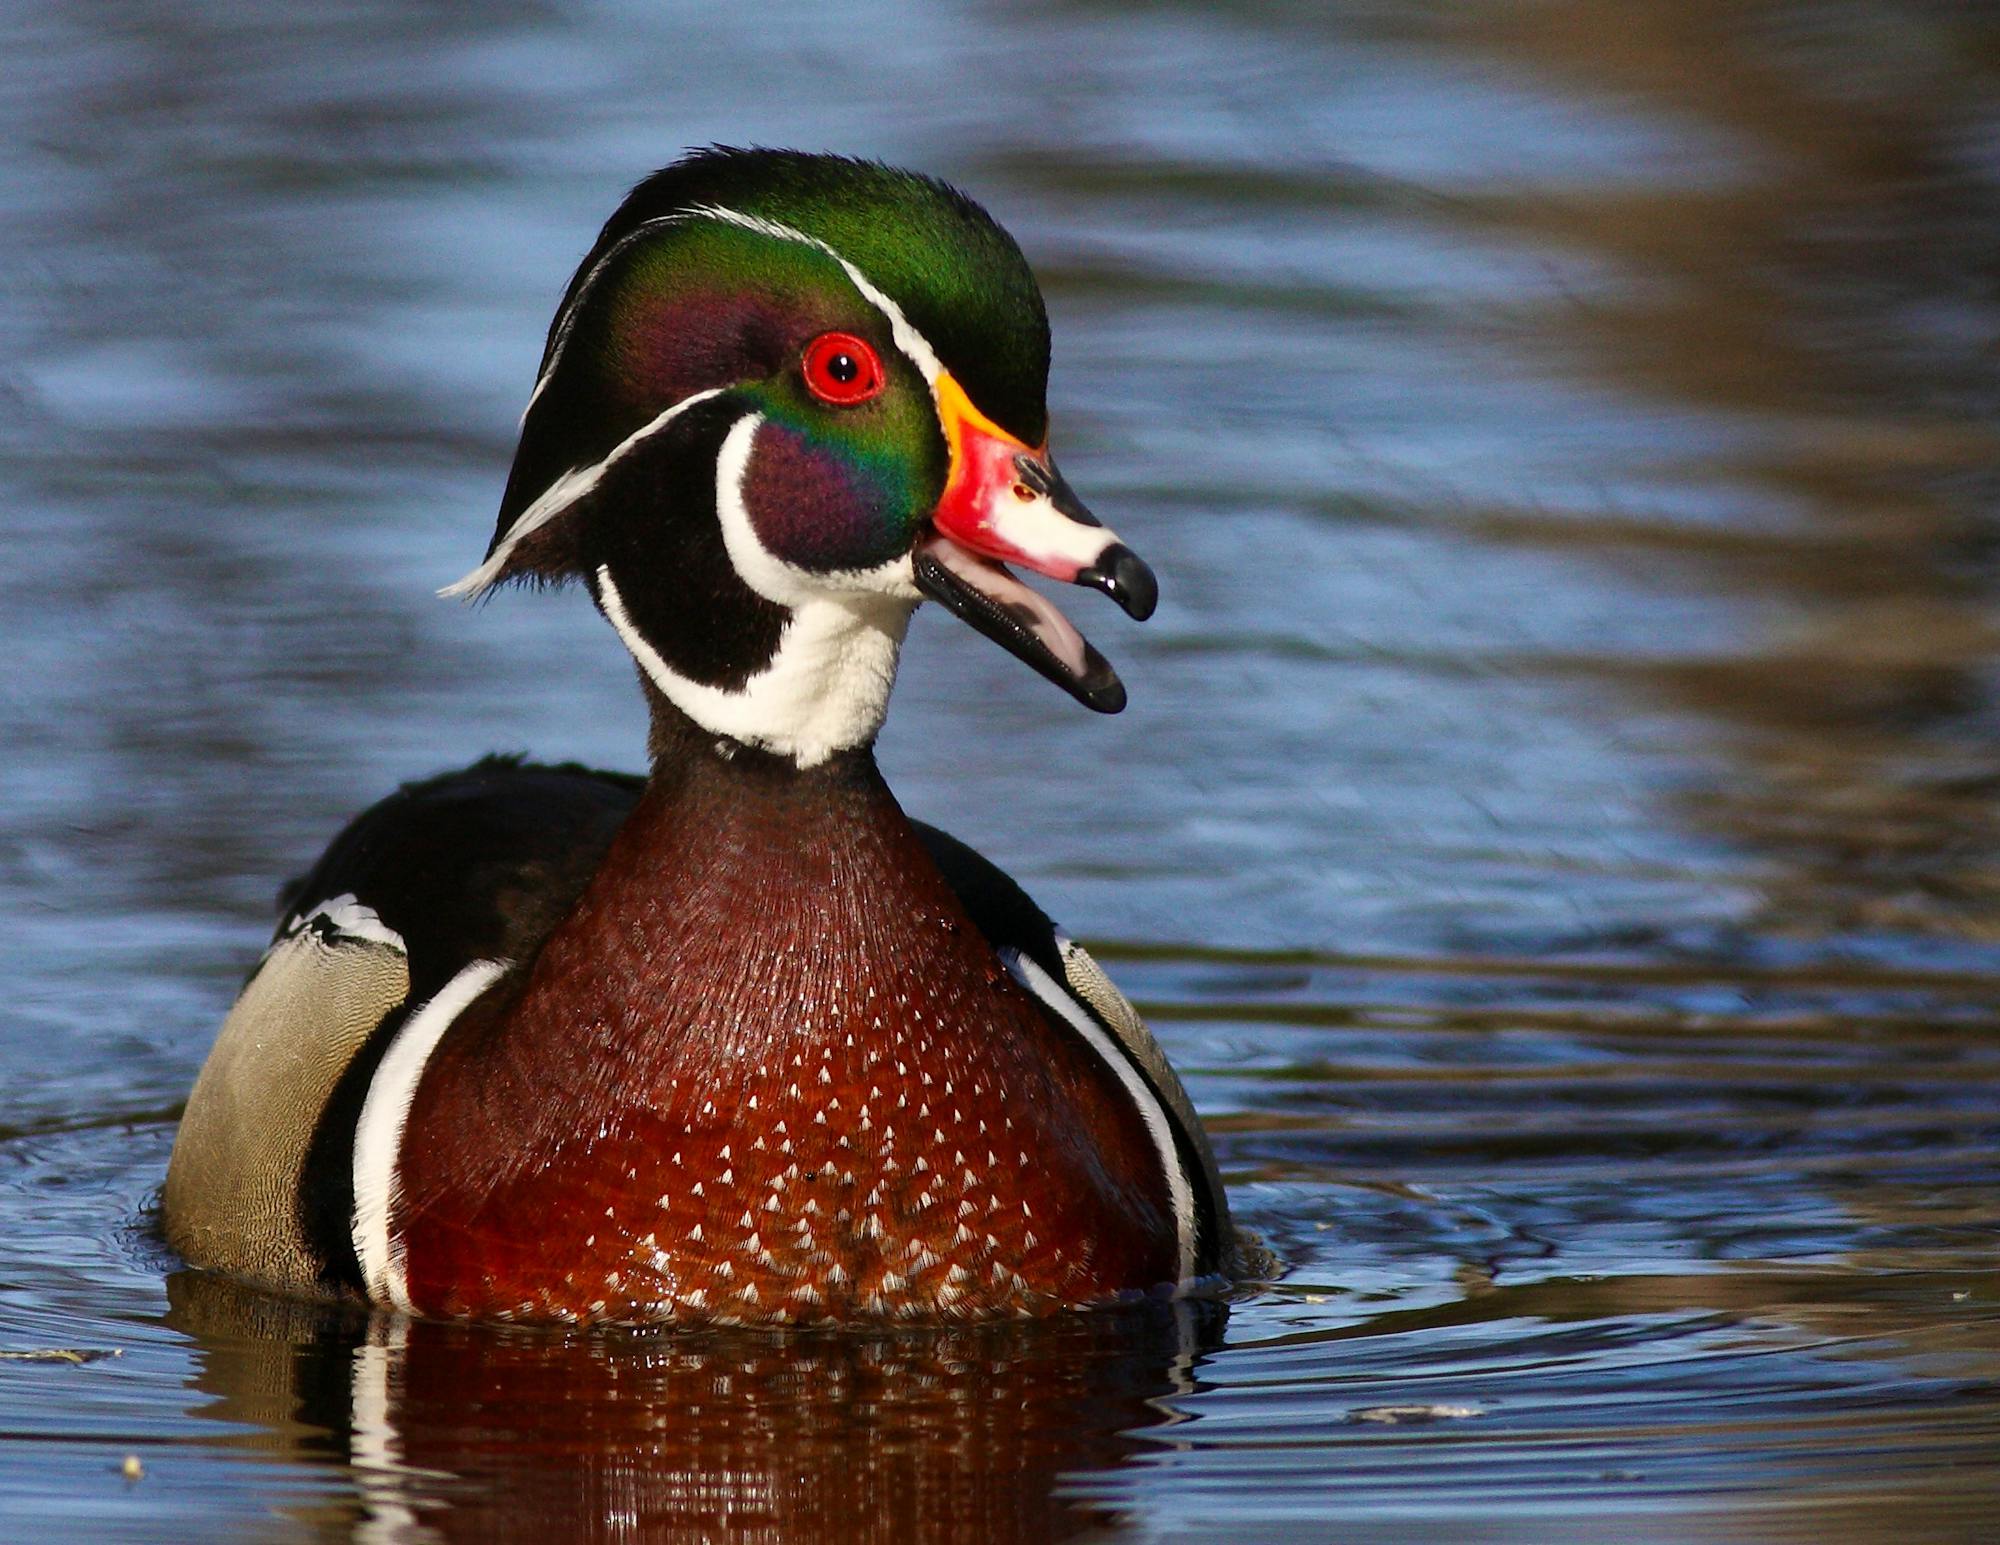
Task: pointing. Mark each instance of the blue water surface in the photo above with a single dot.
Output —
(1555, 827)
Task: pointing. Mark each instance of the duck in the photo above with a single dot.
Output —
(737, 1041)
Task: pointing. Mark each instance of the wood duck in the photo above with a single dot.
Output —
(738, 1042)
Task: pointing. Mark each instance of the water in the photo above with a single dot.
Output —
(1555, 829)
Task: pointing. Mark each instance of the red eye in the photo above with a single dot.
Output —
(842, 369)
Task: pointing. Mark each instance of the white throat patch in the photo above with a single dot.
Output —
(826, 688)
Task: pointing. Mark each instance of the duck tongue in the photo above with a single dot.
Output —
(1022, 621)
(962, 571)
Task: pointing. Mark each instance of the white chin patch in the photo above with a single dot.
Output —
(826, 687)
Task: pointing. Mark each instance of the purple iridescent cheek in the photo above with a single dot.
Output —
(673, 343)
(821, 505)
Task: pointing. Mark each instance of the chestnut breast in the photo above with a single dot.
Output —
(768, 1070)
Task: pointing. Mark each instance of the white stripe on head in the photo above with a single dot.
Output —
(567, 320)
(577, 482)
(908, 339)
(378, 1135)
(1158, 1124)
(826, 688)
(561, 494)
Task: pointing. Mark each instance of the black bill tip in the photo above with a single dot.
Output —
(1123, 575)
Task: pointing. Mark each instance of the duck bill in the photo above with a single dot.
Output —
(1004, 502)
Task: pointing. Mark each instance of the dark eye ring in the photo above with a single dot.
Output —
(842, 369)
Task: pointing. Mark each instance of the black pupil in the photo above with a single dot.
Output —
(843, 368)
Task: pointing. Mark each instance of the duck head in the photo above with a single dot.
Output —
(786, 398)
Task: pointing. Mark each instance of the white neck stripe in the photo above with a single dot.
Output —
(825, 690)
(561, 494)
(826, 687)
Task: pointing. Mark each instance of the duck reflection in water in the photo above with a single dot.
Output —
(455, 1431)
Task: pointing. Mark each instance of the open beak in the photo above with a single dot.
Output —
(1006, 503)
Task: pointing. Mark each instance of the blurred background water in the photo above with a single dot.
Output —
(1556, 827)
